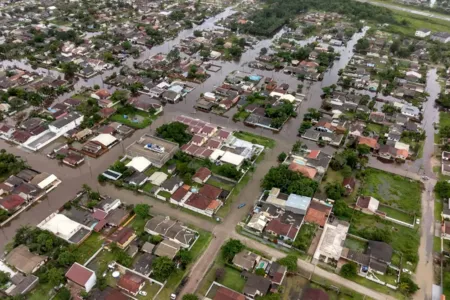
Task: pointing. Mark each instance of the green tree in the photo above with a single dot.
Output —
(198, 33)
(231, 248)
(190, 297)
(142, 210)
(290, 262)
(63, 294)
(69, 69)
(185, 257)
(442, 189)
(4, 277)
(120, 96)
(66, 258)
(335, 190)
(363, 149)
(55, 276)
(260, 272)
(349, 270)
(281, 157)
(175, 132)
(162, 268)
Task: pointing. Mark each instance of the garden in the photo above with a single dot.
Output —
(132, 117)
(393, 190)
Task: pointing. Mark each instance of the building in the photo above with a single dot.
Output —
(65, 228)
(276, 273)
(367, 204)
(422, 32)
(156, 150)
(167, 248)
(224, 293)
(24, 261)
(202, 175)
(331, 242)
(349, 185)
(170, 229)
(122, 237)
(131, 283)
(139, 163)
(81, 276)
(246, 260)
(314, 294)
(443, 37)
(411, 111)
(11, 203)
(256, 285)
(20, 284)
(297, 204)
(318, 213)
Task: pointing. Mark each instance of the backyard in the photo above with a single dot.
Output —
(132, 117)
(88, 247)
(401, 238)
(396, 214)
(393, 190)
(255, 139)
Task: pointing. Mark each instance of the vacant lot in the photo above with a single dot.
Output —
(393, 190)
(401, 238)
(396, 214)
(255, 139)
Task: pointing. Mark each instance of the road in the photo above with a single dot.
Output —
(408, 10)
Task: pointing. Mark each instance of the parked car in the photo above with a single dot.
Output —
(241, 205)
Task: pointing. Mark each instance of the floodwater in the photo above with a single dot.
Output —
(313, 90)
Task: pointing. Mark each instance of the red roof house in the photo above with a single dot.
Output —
(11, 202)
(131, 283)
(81, 276)
(202, 175)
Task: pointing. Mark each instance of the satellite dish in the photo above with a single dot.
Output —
(115, 274)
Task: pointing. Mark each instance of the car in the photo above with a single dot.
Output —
(143, 293)
(173, 296)
(418, 221)
(425, 178)
(241, 205)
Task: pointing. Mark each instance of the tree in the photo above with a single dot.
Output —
(290, 262)
(69, 69)
(205, 54)
(4, 277)
(175, 132)
(156, 239)
(231, 248)
(190, 297)
(63, 294)
(55, 276)
(162, 268)
(119, 96)
(363, 149)
(185, 257)
(66, 258)
(296, 147)
(281, 157)
(335, 190)
(198, 33)
(220, 273)
(126, 45)
(173, 54)
(349, 270)
(142, 210)
(229, 171)
(263, 51)
(260, 272)
(442, 189)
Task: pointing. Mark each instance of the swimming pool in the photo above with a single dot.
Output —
(255, 78)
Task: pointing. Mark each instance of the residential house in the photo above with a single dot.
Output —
(331, 242)
(443, 37)
(131, 283)
(24, 261)
(422, 32)
(349, 185)
(318, 213)
(256, 285)
(167, 248)
(314, 294)
(276, 274)
(367, 204)
(372, 143)
(246, 260)
(202, 175)
(11, 203)
(170, 229)
(122, 237)
(224, 293)
(81, 276)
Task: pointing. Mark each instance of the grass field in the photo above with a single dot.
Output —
(396, 214)
(220, 184)
(139, 120)
(401, 238)
(41, 292)
(415, 22)
(256, 139)
(393, 190)
(355, 244)
(333, 177)
(89, 247)
(444, 119)
(436, 244)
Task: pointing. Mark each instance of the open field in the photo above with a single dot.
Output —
(256, 139)
(414, 22)
(393, 190)
(89, 247)
(396, 214)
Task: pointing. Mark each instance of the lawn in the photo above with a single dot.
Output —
(355, 244)
(255, 139)
(332, 177)
(220, 184)
(446, 245)
(375, 128)
(393, 190)
(330, 286)
(401, 238)
(378, 287)
(396, 214)
(415, 22)
(174, 280)
(444, 119)
(89, 247)
(437, 244)
(139, 120)
(305, 236)
(147, 187)
(41, 292)
(165, 194)
(138, 224)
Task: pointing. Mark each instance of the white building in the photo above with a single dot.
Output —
(81, 276)
(422, 32)
(65, 228)
(331, 242)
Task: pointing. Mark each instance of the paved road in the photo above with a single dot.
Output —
(408, 10)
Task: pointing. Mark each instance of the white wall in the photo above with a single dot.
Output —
(91, 283)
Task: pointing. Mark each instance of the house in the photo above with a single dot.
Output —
(167, 248)
(202, 175)
(331, 242)
(377, 117)
(11, 203)
(370, 142)
(443, 37)
(122, 237)
(387, 152)
(380, 254)
(422, 32)
(349, 185)
(318, 213)
(304, 170)
(170, 229)
(131, 283)
(367, 204)
(356, 129)
(24, 261)
(277, 273)
(108, 293)
(282, 228)
(143, 264)
(224, 293)
(81, 276)
(256, 285)
(172, 184)
(314, 294)
(410, 111)
(246, 260)
(20, 284)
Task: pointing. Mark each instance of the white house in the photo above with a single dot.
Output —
(68, 122)
(81, 276)
(422, 32)
(410, 111)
